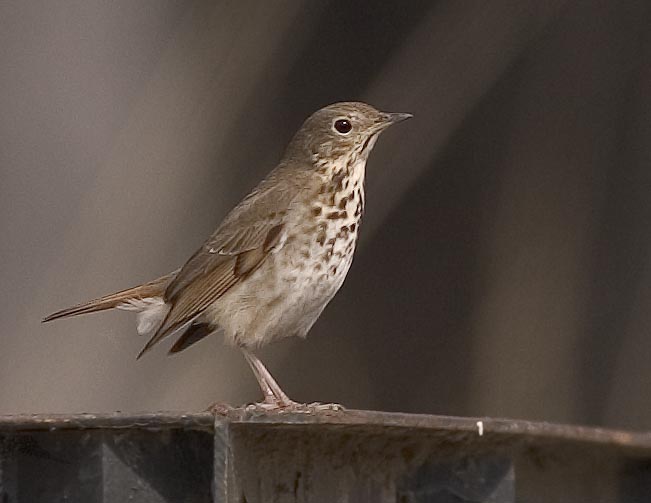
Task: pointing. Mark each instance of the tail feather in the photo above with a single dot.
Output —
(155, 288)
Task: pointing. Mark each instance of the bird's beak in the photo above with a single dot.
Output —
(389, 119)
(393, 118)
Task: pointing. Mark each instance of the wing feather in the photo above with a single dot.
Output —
(195, 299)
(245, 228)
(238, 247)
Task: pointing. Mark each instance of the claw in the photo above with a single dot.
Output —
(326, 407)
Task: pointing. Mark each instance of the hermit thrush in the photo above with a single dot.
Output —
(279, 256)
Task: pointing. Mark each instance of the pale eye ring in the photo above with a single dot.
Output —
(342, 126)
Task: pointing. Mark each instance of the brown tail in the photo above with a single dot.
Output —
(155, 288)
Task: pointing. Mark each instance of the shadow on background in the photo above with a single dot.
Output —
(503, 266)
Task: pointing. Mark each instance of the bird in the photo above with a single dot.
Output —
(277, 258)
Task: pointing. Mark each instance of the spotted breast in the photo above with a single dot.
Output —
(303, 274)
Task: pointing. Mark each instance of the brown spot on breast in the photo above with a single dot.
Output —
(331, 241)
(359, 210)
(338, 177)
(321, 237)
(353, 226)
(306, 254)
(316, 211)
(336, 215)
(343, 233)
(318, 266)
(323, 188)
(343, 202)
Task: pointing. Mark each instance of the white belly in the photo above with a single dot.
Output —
(284, 297)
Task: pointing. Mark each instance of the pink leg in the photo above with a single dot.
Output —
(273, 394)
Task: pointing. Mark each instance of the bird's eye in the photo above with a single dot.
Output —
(343, 126)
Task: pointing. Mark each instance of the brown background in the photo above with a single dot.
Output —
(504, 268)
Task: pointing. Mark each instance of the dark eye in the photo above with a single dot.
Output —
(343, 126)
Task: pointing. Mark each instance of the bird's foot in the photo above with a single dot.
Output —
(291, 407)
(324, 407)
(276, 407)
(268, 407)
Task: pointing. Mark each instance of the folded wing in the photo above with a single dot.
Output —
(240, 245)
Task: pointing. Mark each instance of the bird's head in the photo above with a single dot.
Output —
(341, 130)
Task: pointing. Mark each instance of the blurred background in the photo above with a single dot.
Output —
(504, 265)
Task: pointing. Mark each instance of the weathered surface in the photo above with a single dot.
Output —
(351, 456)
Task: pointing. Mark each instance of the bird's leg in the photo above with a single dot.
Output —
(275, 398)
(273, 395)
